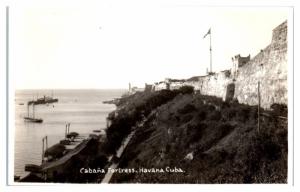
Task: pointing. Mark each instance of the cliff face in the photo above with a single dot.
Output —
(211, 141)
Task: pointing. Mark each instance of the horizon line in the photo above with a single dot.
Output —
(71, 88)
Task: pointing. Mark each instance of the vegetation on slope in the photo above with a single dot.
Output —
(133, 109)
(211, 141)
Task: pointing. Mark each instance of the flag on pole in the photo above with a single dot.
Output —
(208, 32)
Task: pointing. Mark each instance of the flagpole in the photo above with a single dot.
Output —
(210, 51)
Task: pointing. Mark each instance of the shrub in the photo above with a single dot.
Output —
(99, 161)
(279, 109)
(243, 113)
(187, 118)
(201, 115)
(139, 105)
(187, 109)
(269, 146)
(209, 108)
(224, 129)
(230, 113)
(186, 89)
(194, 132)
(215, 116)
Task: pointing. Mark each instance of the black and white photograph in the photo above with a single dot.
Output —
(149, 92)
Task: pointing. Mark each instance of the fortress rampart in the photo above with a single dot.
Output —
(269, 67)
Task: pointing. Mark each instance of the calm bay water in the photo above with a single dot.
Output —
(82, 108)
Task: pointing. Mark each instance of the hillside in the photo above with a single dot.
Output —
(210, 140)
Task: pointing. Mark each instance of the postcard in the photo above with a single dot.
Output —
(149, 93)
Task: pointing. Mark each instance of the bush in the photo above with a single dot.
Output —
(224, 129)
(279, 109)
(201, 115)
(209, 108)
(215, 116)
(230, 114)
(99, 161)
(186, 89)
(187, 109)
(194, 132)
(187, 118)
(243, 114)
(138, 106)
(269, 146)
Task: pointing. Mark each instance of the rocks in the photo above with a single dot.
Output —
(189, 156)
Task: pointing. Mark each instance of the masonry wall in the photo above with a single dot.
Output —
(160, 86)
(269, 67)
(215, 85)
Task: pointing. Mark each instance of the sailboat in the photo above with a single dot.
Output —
(32, 119)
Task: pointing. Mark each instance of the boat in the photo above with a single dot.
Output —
(72, 135)
(43, 100)
(55, 152)
(33, 168)
(32, 119)
(65, 142)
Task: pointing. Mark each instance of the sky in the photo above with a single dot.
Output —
(109, 44)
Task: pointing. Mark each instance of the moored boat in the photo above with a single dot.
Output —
(43, 100)
(33, 168)
(32, 118)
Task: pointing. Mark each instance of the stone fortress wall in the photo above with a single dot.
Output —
(269, 67)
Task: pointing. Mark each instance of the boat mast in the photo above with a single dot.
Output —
(33, 111)
(27, 110)
(46, 142)
(43, 152)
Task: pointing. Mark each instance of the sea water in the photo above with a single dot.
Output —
(83, 109)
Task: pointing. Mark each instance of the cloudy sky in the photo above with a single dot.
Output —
(109, 44)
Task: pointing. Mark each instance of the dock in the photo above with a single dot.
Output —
(50, 165)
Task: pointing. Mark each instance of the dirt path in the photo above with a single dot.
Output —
(120, 151)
